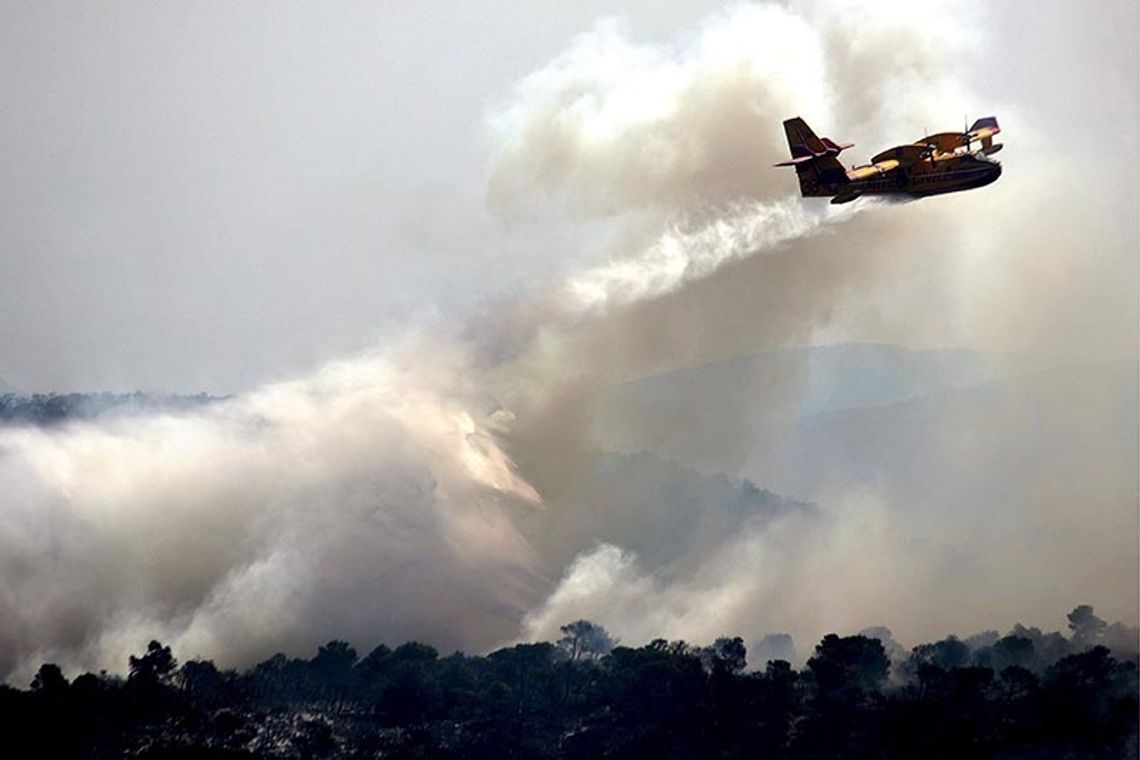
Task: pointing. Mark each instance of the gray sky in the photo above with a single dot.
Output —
(202, 196)
(205, 195)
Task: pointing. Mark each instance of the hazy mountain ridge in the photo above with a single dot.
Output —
(1029, 404)
(1037, 461)
(59, 408)
(732, 409)
(669, 515)
(841, 376)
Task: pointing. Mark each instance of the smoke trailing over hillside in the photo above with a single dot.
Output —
(449, 486)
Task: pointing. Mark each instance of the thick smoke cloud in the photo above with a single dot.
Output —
(611, 126)
(977, 505)
(452, 487)
(804, 572)
(368, 496)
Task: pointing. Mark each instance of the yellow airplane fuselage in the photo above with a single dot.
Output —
(941, 174)
(942, 163)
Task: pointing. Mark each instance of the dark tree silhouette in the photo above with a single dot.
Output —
(49, 680)
(585, 640)
(1087, 628)
(947, 653)
(1009, 651)
(850, 669)
(157, 666)
(725, 655)
(661, 700)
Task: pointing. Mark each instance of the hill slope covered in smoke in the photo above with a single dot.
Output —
(973, 459)
(456, 485)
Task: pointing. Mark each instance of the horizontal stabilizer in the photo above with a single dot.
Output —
(794, 161)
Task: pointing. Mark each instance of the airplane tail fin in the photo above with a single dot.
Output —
(814, 157)
(987, 122)
(984, 130)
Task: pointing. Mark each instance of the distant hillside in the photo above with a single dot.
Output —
(826, 378)
(670, 516)
(57, 408)
(970, 459)
(1069, 426)
(921, 424)
(719, 416)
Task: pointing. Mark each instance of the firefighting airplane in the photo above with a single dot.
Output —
(941, 163)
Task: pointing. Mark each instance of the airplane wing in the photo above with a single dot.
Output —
(873, 170)
(983, 131)
(903, 154)
(946, 142)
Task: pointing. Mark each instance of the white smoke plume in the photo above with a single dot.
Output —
(372, 500)
(367, 493)
(682, 255)
(446, 487)
(612, 126)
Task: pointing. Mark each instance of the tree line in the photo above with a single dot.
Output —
(1025, 694)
